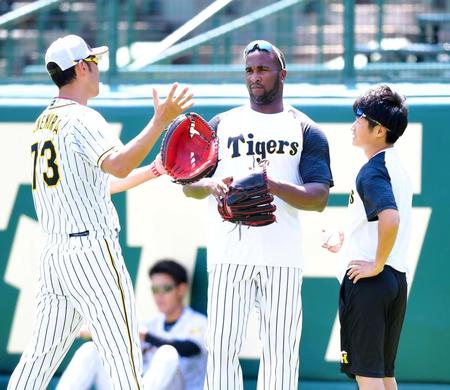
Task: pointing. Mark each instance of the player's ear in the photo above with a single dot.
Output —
(182, 289)
(283, 74)
(381, 131)
(78, 68)
(81, 68)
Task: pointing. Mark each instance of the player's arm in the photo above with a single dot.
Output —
(375, 190)
(121, 162)
(185, 348)
(314, 169)
(388, 224)
(309, 196)
(137, 176)
(205, 187)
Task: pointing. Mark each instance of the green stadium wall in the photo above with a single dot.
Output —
(158, 221)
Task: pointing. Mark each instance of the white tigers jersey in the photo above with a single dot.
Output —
(297, 152)
(70, 191)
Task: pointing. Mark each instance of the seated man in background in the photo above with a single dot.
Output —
(172, 341)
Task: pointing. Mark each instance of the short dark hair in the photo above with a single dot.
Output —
(387, 107)
(61, 77)
(169, 267)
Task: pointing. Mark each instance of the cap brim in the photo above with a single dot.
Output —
(98, 51)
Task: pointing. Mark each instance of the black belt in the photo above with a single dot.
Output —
(80, 234)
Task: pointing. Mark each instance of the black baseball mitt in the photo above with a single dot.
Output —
(189, 149)
(248, 201)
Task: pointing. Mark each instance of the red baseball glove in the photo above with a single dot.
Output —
(189, 149)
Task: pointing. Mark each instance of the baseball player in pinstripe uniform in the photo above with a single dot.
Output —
(263, 268)
(77, 162)
(374, 264)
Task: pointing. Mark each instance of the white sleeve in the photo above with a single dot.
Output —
(196, 331)
(93, 137)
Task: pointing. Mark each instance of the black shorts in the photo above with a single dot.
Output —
(371, 313)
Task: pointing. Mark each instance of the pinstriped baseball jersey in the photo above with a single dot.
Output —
(83, 273)
(70, 191)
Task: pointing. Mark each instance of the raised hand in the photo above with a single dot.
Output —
(175, 104)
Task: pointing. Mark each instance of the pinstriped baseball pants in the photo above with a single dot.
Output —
(82, 278)
(233, 291)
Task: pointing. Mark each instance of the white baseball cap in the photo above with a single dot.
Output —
(69, 50)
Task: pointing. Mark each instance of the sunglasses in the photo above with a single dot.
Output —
(359, 113)
(264, 46)
(163, 289)
(94, 59)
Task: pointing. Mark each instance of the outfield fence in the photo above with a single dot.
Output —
(324, 40)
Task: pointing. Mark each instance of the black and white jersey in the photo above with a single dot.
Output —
(297, 152)
(382, 183)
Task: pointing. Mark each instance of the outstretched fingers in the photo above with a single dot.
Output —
(174, 104)
(187, 102)
(155, 97)
(182, 94)
(172, 91)
(184, 99)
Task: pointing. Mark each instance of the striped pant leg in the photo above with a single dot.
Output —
(231, 295)
(279, 299)
(55, 327)
(101, 290)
